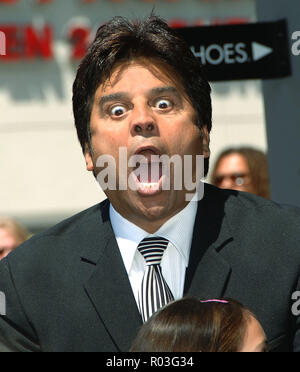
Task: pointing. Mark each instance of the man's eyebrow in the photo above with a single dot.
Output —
(112, 97)
(123, 95)
(162, 90)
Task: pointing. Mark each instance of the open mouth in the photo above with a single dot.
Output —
(148, 173)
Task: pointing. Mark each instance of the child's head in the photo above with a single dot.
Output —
(191, 325)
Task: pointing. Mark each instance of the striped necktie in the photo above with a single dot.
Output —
(154, 292)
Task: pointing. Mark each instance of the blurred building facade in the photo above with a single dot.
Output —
(42, 170)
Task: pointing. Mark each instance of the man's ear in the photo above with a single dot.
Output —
(205, 142)
(88, 159)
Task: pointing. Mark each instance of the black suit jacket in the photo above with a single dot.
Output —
(67, 289)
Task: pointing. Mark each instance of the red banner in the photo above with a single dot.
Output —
(25, 42)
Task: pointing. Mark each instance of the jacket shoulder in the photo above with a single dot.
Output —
(244, 200)
(250, 212)
(59, 238)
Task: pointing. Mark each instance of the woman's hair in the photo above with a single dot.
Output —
(258, 167)
(121, 41)
(191, 325)
(18, 231)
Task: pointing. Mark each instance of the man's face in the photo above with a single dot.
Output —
(144, 111)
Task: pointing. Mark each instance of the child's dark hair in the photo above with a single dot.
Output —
(191, 325)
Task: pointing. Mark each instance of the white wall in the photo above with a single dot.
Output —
(238, 116)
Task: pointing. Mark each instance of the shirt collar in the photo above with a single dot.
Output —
(180, 234)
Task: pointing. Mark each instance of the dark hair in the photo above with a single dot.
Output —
(258, 168)
(120, 41)
(189, 325)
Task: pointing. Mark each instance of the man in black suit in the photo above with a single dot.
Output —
(81, 286)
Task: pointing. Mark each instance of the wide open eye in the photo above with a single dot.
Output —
(118, 111)
(163, 104)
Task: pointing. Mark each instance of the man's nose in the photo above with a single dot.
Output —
(143, 121)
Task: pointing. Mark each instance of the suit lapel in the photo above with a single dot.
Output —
(210, 277)
(208, 272)
(108, 287)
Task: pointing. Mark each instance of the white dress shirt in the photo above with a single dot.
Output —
(178, 230)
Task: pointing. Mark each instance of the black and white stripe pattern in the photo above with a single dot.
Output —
(154, 292)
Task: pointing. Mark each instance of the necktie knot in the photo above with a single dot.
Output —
(153, 250)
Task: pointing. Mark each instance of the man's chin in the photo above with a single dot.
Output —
(152, 203)
(159, 207)
(149, 212)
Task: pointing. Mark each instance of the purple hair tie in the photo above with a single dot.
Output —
(214, 300)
